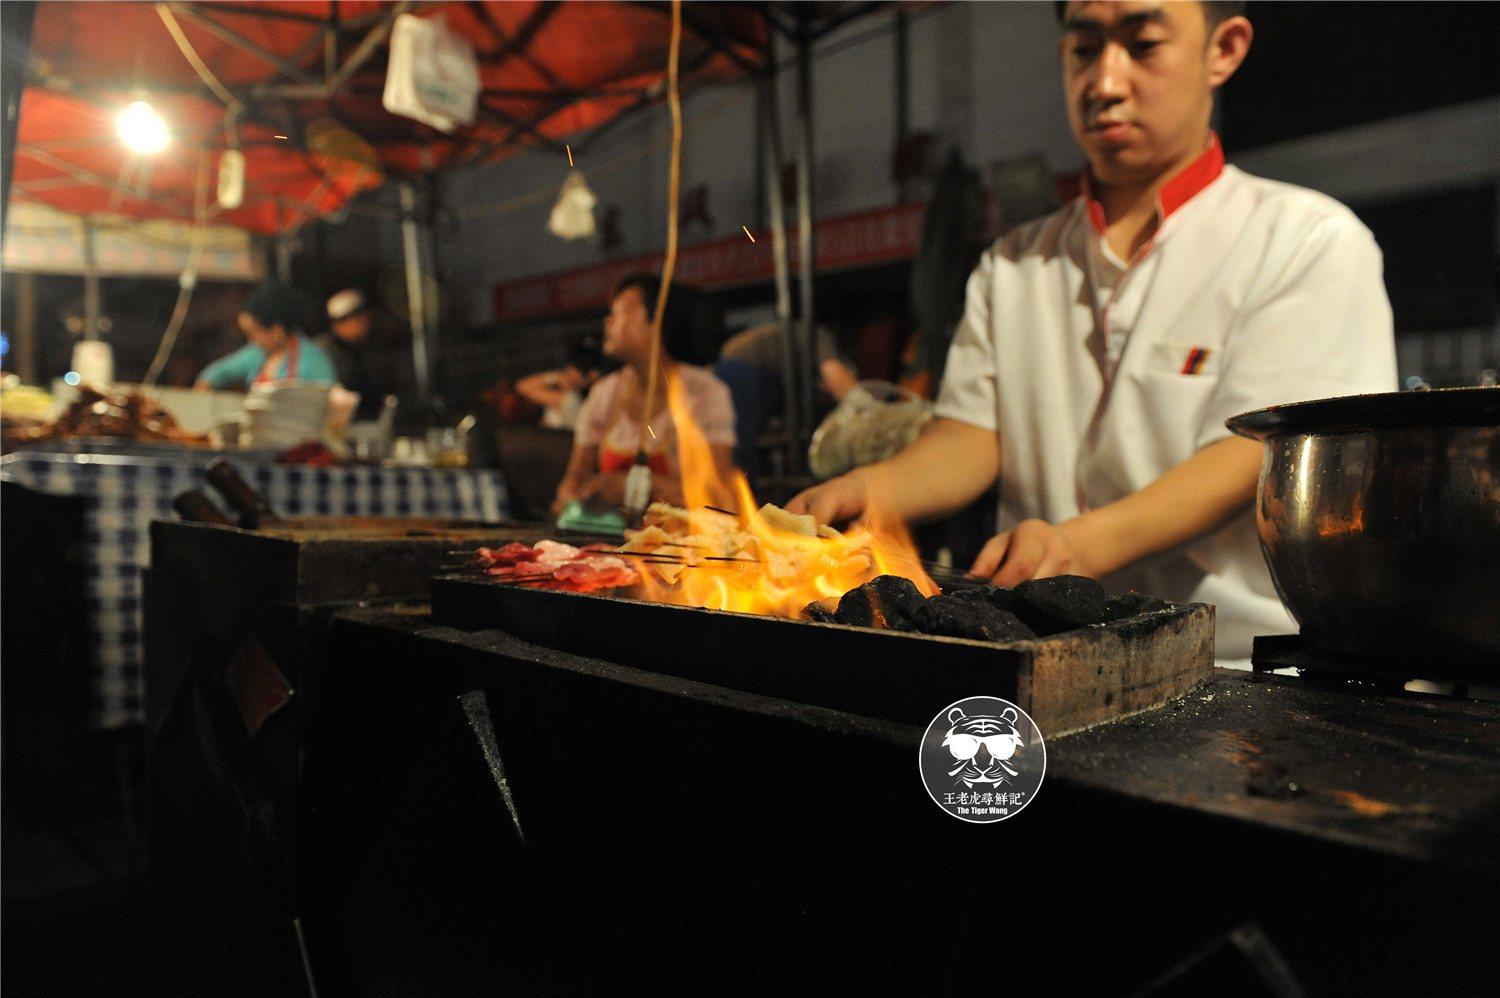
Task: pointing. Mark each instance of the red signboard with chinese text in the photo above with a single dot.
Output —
(876, 236)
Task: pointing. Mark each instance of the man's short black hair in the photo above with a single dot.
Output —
(1214, 11)
(687, 330)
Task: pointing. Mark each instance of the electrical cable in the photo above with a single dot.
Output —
(186, 282)
(674, 180)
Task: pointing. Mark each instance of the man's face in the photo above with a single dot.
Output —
(1139, 81)
(268, 338)
(627, 327)
(354, 328)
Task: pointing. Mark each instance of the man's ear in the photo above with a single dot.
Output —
(1227, 48)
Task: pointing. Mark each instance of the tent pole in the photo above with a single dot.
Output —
(416, 304)
(771, 170)
(25, 345)
(807, 367)
(284, 250)
(15, 27)
(903, 91)
(90, 283)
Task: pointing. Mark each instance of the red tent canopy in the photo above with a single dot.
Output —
(547, 70)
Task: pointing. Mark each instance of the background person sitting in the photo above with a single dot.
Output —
(609, 431)
(560, 393)
(750, 363)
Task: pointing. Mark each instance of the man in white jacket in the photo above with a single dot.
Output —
(1103, 347)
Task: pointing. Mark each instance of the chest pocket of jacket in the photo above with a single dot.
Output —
(1165, 402)
(1185, 360)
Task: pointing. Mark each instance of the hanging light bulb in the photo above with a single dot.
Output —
(141, 129)
(231, 189)
(231, 179)
(573, 216)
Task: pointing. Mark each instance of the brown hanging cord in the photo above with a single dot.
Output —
(674, 101)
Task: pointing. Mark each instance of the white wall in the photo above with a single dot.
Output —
(982, 76)
(1457, 146)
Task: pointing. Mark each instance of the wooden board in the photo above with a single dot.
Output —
(1066, 682)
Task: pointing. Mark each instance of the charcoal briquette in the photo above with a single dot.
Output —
(1132, 604)
(963, 615)
(887, 601)
(817, 611)
(1061, 603)
(995, 596)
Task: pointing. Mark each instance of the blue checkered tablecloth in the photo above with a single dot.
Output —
(123, 494)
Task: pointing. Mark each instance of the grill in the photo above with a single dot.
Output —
(687, 836)
(215, 582)
(1066, 682)
(236, 628)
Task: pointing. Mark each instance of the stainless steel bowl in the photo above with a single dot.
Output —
(1379, 516)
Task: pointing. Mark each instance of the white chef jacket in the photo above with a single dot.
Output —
(1099, 375)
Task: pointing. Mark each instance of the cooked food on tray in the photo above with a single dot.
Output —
(778, 563)
(552, 565)
(125, 415)
(763, 561)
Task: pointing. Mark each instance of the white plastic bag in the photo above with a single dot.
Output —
(433, 75)
(573, 215)
(874, 421)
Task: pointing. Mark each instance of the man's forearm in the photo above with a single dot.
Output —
(1189, 500)
(946, 468)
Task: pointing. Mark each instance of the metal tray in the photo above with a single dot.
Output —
(1066, 682)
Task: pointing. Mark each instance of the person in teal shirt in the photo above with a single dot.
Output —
(278, 350)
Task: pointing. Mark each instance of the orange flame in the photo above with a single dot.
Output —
(782, 562)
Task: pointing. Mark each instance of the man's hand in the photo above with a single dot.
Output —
(837, 500)
(1191, 499)
(946, 468)
(1035, 549)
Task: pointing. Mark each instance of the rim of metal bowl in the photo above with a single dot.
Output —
(1381, 411)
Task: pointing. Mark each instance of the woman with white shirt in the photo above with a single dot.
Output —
(610, 428)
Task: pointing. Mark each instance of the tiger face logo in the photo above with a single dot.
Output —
(982, 759)
(982, 746)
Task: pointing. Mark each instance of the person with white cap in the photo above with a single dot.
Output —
(346, 341)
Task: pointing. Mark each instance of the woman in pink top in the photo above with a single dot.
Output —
(608, 434)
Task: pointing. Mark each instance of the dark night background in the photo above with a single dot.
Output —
(1320, 67)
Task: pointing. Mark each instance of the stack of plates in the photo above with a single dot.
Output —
(280, 416)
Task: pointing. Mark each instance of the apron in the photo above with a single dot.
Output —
(265, 377)
(612, 460)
